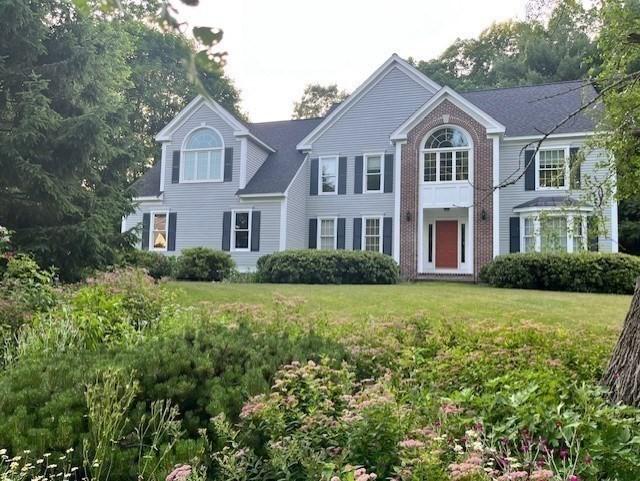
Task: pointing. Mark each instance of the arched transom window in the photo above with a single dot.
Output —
(203, 157)
(445, 156)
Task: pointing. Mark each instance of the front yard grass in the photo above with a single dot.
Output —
(438, 301)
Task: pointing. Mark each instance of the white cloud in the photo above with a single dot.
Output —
(277, 47)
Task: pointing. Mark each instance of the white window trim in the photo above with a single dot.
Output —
(363, 234)
(233, 229)
(567, 167)
(320, 162)
(468, 149)
(152, 216)
(365, 158)
(571, 217)
(184, 151)
(319, 233)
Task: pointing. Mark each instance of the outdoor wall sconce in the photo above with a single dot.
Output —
(407, 216)
(483, 215)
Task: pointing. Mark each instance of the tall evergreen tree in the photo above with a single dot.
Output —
(65, 143)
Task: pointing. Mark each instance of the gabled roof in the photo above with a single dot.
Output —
(537, 109)
(446, 93)
(392, 62)
(240, 129)
(149, 184)
(278, 170)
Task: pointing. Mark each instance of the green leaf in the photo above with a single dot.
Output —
(207, 35)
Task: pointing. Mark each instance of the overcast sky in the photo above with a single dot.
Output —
(276, 47)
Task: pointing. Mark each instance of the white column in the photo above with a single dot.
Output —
(471, 241)
(496, 195)
(397, 169)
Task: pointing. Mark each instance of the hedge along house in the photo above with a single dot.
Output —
(403, 166)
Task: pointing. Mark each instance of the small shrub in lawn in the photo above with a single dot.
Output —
(203, 264)
(581, 272)
(328, 267)
(157, 265)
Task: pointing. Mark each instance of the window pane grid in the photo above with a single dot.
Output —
(551, 168)
(553, 235)
(446, 166)
(529, 235)
(372, 235)
(327, 234)
(430, 167)
(462, 165)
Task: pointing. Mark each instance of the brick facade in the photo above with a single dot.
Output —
(446, 113)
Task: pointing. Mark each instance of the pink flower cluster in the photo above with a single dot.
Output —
(450, 408)
(180, 473)
(514, 476)
(411, 444)
(252, 407)
(541, 475)
(470, 466)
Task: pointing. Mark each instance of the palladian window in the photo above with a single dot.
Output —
(203, 157)
(445, 156)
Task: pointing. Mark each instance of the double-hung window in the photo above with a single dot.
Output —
(159, 231)
(373, 172)
(529, 235)
(241, 230)
(579, 238)
(553, 234)
(203, 157)
(553, 168)
(372, 234)
(327, 234)
(328, 175)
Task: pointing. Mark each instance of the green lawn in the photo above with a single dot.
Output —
(435, 300)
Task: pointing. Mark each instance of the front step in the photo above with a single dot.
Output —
(445, 277)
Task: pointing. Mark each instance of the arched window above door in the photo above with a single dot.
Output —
(446, 156)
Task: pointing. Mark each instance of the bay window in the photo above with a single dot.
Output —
(553, 231)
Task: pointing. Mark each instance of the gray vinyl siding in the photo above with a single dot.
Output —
(200, 206)
(255, 157)
(367, 125)
(297, 231)
(365, 128)
(511, 160)
(348, 206)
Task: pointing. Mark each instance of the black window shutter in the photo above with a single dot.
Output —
(313, 233)
(342, 175)
(357, 184)
(313, 181)
(592, 234)
(514, 234)
(226, 231)
(228, 164)
(340, 233)
(357, 233)
(171, 242)
(388, 173)
(574, 166)
(530, 172)
(175, 167)
(387, 235)
(255, 231)
(146, 225)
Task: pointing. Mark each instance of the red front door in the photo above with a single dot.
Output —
(447, 244)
